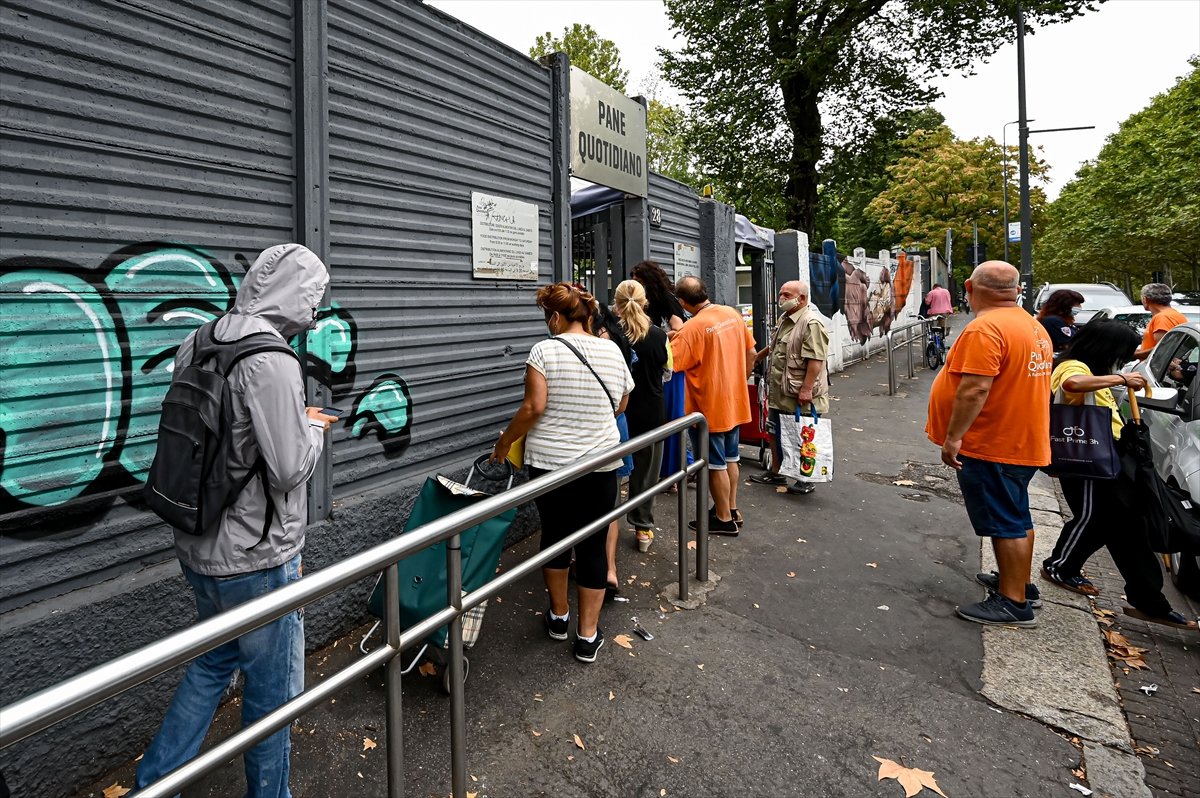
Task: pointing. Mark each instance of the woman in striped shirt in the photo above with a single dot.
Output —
(575, 385)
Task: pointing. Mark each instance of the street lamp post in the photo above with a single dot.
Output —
(1004, 169)
(1025, 132)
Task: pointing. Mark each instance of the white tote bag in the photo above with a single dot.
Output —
(807, 444)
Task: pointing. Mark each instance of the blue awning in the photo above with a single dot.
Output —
(593, 199)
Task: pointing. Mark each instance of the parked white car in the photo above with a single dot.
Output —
(1138, 317)
(1173, 415)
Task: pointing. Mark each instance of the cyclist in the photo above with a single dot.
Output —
(938, 303)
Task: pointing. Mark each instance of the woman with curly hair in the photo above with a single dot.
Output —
(1057, 315)
(575, 385)
(664, 311)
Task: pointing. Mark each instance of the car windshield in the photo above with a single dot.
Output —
(1137, 321)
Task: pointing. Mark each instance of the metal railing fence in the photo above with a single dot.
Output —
(909, 337)
(84, 691)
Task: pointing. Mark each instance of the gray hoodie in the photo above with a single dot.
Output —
(280, 294)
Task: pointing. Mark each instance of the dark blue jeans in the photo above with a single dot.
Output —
(271, 659)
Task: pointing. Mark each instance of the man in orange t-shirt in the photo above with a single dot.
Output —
(1156, 298)
(715, 351)
(989, 410)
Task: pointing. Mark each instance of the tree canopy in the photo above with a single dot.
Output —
(588, 50)
(1135, 209)
(857, 173)
(774, 84)
(947, 183)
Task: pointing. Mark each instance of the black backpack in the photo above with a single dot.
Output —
(190, 484)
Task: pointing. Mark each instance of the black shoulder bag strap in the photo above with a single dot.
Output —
(583, 360)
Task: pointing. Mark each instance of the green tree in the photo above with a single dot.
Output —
(588, 50)
(667, 149)
(773, 83)
(948, 183)
(1135, 209)
(857, 173)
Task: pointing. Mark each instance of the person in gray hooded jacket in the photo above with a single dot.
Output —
(280, 294)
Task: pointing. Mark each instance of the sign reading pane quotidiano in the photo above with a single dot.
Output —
(608, 136)
(504, 238)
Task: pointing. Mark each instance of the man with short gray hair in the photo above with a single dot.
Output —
(1156, 298)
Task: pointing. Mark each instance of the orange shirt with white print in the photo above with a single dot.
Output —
(710, 349)
(1161, 322)
(1013, 427)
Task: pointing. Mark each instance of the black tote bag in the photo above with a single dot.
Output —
(1081, 440)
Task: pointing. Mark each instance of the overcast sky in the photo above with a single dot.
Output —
(1095, 70)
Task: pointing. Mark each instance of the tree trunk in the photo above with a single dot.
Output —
(804, 120)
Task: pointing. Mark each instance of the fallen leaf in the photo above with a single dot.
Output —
(672, 760)
(611, 695)
(872, 565)
(756, 606)
(691, 544)
(359, 774)
(536, 733)
(472, 795)
(624, 641)
(911, 779)
(907, 483)
(368, 744)
(801, 540)
(883, 607)
(427, 669)
(1196, 689)
(662, 792)
(791, 574)
(115, 790)
(570, 758)
(579, 743)
(701, 667)
(781, 489)
(1078, 773)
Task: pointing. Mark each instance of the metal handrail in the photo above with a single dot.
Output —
(41, 710)
(907, 344)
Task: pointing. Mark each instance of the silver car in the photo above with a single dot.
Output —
(1173, 415)
(1138, 317)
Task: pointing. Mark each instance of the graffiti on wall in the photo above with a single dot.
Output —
(86, 357)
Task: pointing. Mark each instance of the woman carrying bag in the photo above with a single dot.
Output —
(1103, 514)
(575, 386)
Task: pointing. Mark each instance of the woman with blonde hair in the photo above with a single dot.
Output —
(575, 385)
(651, 365)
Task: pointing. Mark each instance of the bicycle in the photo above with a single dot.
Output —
(935, 345)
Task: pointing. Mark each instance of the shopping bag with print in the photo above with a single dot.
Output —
(807, 444)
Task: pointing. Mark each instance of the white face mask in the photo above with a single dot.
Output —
(788, 305)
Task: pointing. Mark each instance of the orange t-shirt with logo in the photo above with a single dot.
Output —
(710, 350)
(1014, 425)
(1161, 322)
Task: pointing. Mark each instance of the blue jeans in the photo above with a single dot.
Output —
(271, 659)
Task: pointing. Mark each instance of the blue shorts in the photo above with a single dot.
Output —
(997, 497)
(722, 447)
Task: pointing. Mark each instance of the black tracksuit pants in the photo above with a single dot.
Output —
(1102, 518)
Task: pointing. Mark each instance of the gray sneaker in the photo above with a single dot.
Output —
(992, 582)
(998, 610)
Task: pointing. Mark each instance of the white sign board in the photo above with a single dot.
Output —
(1014, 232)
(687, 260)
(608, 136)
(504, 238)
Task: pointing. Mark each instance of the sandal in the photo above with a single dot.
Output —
(644, 538)
(1076, 584)
(1173, 618)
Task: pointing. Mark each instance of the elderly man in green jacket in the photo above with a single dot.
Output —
(796, 375)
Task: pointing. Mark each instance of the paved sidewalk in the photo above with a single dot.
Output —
(829, 639)
(1165, 726)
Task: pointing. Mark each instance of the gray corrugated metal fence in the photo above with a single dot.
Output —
(151, 148)
(680, 219)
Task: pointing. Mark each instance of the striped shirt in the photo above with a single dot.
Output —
(578, 420)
